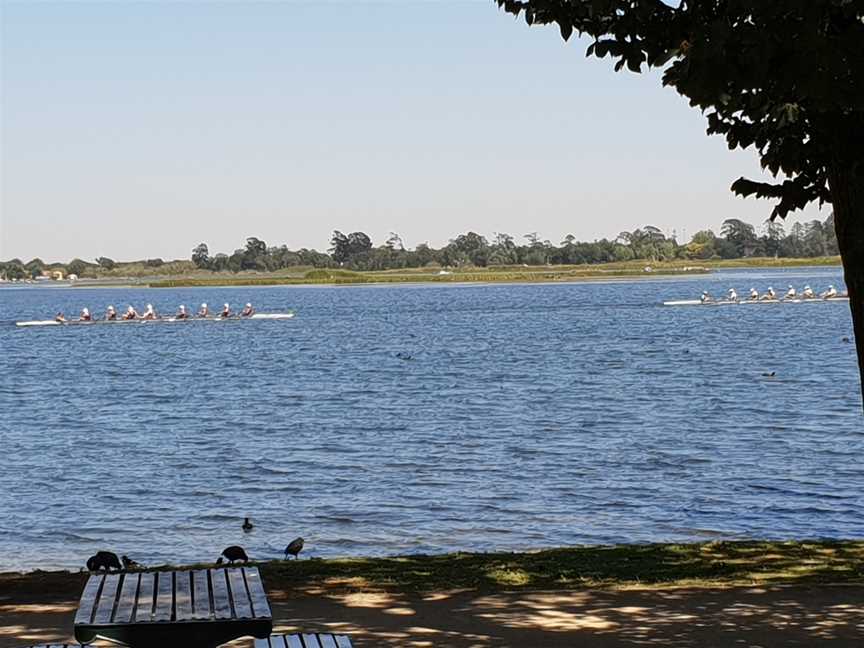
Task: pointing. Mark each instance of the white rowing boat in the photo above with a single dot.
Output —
(744, 302)
(161, 320)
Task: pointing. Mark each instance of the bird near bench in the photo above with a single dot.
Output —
(294, 548)
(232, 554)
(106, 560)
(128, 563)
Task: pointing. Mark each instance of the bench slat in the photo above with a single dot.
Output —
(202, 595)
(242, 608)
(164, 597)
(88, 599)
(327, 641)
(260, 606)
(144, 610)
(221, 602)
(304, 641)
(106, 600)
(127, 599)
(183, 595)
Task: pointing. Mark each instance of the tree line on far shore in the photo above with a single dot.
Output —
(355, 251)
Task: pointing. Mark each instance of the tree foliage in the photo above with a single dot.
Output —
(201, 256)
(77, 267)
(356, 251)
(785, 77)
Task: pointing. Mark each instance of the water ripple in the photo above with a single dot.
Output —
(426, 419)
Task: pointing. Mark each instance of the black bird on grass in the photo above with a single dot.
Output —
(294, 548)
(106, 560)
(247, 525)
(128, 563)
(233, 554)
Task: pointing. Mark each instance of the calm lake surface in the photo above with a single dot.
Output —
(421, 419)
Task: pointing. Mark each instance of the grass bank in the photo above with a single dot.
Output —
(712, 564)
(502, 274)
(475, 275)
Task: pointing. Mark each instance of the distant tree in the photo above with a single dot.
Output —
(77, 267)
(785, 77)
(154, 263)
(772, 238)
(201, 256)
(339, 247)
(235, 261)
(394, 242)
(255, 255)
(741, 235)
(105, 262)
(423, 256)
(219, 263)
(34, 267)
(703, 245)
(13, 269)
(358, 243)
(468, 248)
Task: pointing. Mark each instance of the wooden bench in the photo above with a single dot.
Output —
(200, 608)
(304, 641)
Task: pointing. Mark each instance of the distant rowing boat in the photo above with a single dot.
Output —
(161, 320)
(744, 302)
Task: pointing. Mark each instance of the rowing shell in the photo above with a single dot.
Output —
(726, 302)
(163, 320)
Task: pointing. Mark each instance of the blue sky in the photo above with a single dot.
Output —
(139, 129)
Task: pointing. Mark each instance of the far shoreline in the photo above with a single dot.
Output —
(635, 271)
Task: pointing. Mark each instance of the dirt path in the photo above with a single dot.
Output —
(773, 617)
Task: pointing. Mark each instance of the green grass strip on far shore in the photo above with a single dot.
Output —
(492, 274)
(388, 277)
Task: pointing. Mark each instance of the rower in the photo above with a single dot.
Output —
(181, 313)
(149, 313)
(110, 314)
(790, 293)
(706, 297)
(828, 294)
(60, 317)
(808, 293)
(226, 311)
(770, 295)
(131, 313)
(754, 295)
(85, 315)
(203, 311)
(247, 311)
(733, 296)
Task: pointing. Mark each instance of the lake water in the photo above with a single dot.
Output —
(406, 419)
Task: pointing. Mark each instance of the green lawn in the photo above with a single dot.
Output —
(655, 565)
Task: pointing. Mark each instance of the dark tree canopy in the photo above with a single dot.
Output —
(783, 76)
